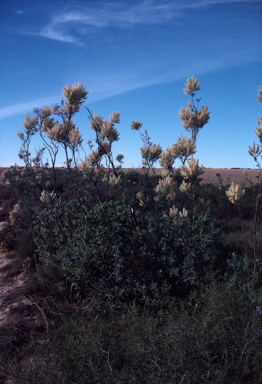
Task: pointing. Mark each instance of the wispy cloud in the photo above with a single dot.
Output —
(68, 23)
(21, 109)
(58, 34)
(104, 85)
(155, 61)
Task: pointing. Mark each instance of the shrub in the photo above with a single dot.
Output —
(105, 253)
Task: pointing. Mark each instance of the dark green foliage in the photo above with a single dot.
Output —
(241, 270)
(106, 253)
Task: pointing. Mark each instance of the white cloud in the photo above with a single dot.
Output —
(22, 109)
(59, 35)
(103, 86)
(67, 23)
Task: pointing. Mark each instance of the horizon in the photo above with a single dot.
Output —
(136, 58)
(124, 168)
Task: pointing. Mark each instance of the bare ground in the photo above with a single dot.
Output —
(18, 318)
(218, 176)
(22, 324)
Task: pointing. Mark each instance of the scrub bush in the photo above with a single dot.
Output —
(104, 253)
(136, 249)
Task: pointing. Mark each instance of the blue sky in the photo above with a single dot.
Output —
(135, 56)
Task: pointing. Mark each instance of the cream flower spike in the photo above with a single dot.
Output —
(254, 151)
(191, 86)
(184, 213)
(192, 169)
(258, 130)
(173, 212)
(235, 192)
(113, 180)
(47, 197)
(184, 187)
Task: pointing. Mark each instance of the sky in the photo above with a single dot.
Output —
(135, 57)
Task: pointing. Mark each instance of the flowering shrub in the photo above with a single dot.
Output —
(158, 299)
(121, 243)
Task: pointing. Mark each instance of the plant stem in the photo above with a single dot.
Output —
(255, 227)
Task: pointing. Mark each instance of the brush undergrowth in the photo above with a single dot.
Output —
(213, 337)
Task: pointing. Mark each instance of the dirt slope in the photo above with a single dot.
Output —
(19, 318)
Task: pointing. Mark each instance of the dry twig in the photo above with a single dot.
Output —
(42, 312)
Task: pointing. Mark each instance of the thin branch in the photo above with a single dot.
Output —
(42, 312)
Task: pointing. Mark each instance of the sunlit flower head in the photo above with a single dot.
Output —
(115, 118)
(185, 187)
(191, 118)
(30, 123)
(165, 188)
(104, 148)
(150, 154)
(47, 197)
(235, 192)
(45, 112)
(167, 159)
(109, 132)
(75, 96)
(48, 123)
(113, 180)
(191, 86)
(75, 93)
(93, 158)
(21, 135)
(136, 125)
(75, 137)
(192, 170)
(258, 130)
(96, 123)
(255, 150)
(183, 148)
(183, 213)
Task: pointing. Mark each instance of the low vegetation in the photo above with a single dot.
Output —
(141, 278)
